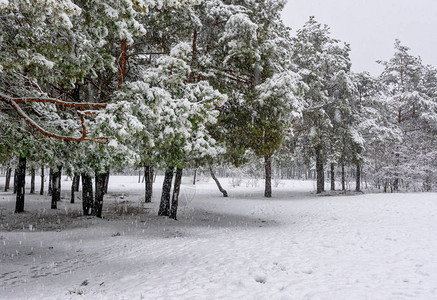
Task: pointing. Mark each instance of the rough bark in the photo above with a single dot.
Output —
(332, 177)
(20, 183)
(175, 197)
(56, 187)
(319, 171)
(358, 183)
(148, 174)
(41, 190)
(164, 206)
(87, 194)
(268, 176)
(32, 181)
(100, 181)
(217, 182)
(8, 178)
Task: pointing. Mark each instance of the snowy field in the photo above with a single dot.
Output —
(294, 246)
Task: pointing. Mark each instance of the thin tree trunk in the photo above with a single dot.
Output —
(20, 184)
(175, 197)
(74, 186)
(49, 192)
(76, 182)
(107, 174)
(195, 176)
(148, 174)
(343, 184)
(268, 176)
(332, 177)
(15, 180)
(358, 182)
(8, 178)
(100, 180)
(41, 190)
(164, 206)
(217, 182)
(56, 187)
(319, 171)
(32, 181)
(87, 194)
(139, 176)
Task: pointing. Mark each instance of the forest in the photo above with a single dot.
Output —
(93, 87)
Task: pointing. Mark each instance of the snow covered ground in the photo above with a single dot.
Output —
(294, 246)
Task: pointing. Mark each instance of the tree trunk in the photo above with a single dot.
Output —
(56, 187)
(319, 171)
(217, 182)
(148, 174)
(74, 186)
(20, 182)
(175, 197)
(107, 174)
(41, 190)
(49, 192)
(76, 182)
(268, 176)
(164, 206)
(100, 180)
(87, 194)
(195, 175)
(358, 184)
(32, 181)
(8, 178)
(15, 180)
(332, 177)
(343, 184)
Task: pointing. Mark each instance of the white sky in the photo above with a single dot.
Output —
(371, 27)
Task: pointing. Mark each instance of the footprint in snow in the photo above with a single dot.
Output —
(261, 279)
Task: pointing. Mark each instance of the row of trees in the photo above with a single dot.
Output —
(89, 86)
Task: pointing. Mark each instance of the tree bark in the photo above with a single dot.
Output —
(164, 206)
(20, 184)
(332, 177)
(8, 178)
(175, 197)
(41, 190)
(217, 182)
(268, 176)
(87, 194)
(15, 180)
(107, 174)
(74, 186)
(56, 187)
(32, 181)
(76, 182)
(343, 184)
(358, 178)
(319, 171)
(100, 181)
(195, 176)
(148, 174)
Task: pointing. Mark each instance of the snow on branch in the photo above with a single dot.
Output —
(14, 103)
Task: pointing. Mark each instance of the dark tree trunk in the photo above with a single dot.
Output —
(396, 180)
(8, 178)
(268, 176)
(49, 192)
(139, 176)
(319, 171)
(74, 186)
(32, 181)
(100, 181)
(87, 194)
(56, 187)
(108, 171)
(332, 177)
(41, 190)
(195, 176)
(76, 182)
(175, 197)
(358, 184)
(343, 184)
(20, 183)
(15, 180)
(164, 206)
(148, 174)
(217, 182)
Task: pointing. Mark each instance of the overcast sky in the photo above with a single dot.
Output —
(371, 27)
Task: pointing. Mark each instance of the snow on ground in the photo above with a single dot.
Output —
(294, 246)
